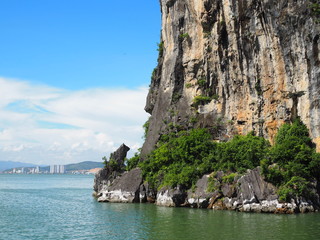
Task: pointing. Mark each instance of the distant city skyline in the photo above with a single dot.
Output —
(74, 78)
(25, 170)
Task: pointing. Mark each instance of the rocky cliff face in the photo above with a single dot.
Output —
(234, 66)
(231, 66)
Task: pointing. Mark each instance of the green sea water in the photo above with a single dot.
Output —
(61, 207)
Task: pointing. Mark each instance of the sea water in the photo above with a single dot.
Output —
(62, 207)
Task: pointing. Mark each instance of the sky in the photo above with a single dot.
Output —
(74, 77)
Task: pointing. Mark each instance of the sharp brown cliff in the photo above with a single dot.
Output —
(235, 66)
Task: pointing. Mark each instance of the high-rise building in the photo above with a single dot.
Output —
(61, 169)
(57, 169)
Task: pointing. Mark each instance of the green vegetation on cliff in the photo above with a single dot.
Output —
(133, 161)
(182, 158)
(292, 163)
(240, 153)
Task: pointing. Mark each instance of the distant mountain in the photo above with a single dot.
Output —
(4, 165)
(83, 166)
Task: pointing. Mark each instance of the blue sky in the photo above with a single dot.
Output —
(79, 44)
(74, 77)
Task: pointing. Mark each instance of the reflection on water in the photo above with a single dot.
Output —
(61, 207)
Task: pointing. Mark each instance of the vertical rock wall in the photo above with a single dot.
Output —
(234, 66)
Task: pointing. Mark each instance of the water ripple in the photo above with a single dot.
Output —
(44, 207)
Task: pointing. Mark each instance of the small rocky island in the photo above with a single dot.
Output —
(247, 193)
(234, 111)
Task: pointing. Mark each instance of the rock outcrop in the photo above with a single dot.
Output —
(104, 178)
(200, 196)
(169, 197)
(235, 66)
(109, 173)
(247, 193)
(119, 155)
(124, 189)
(251, 193)
(114, 184)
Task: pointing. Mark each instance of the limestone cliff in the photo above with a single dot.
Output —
(234, 66)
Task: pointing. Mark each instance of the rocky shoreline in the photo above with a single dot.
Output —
(246, 193)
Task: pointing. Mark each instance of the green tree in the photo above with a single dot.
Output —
(180, 159)
(293, 150)
(241, 153)
(292, 163)
(133, 162)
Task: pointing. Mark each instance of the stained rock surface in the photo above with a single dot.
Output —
(251, 193)
(235, 66)
(200, 196)
(108, 174)
(124, 189)
(171, 197)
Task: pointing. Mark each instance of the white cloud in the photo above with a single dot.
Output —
(42, 124)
